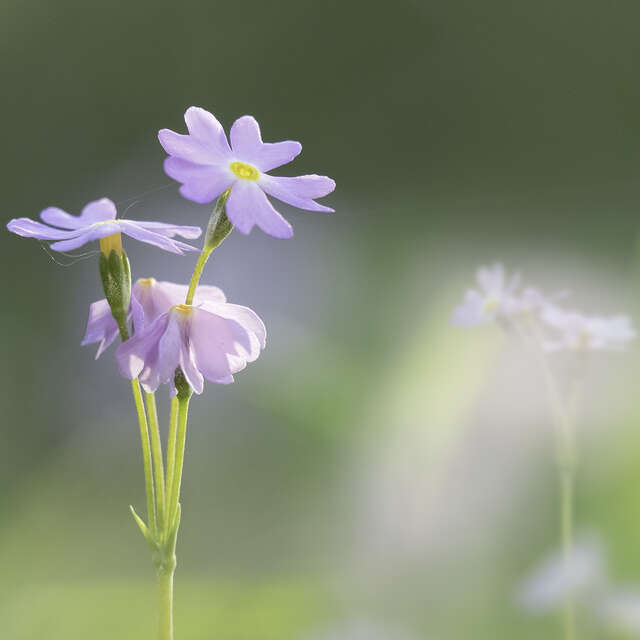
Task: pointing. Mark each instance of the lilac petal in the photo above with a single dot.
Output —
(144, 235)
(247, 145)
(206, 129)
(190, 369)
(137, 312)
(201, 183)
(245, 137)
(132, 355)
(101, 326)
(247, 205)
(274, 154)
(211, 340)
(206, 292)
(169, 230)
(157, 298)
(28, 228)
(98, 211)
(88, 234)
(300, 190)
(60, 218)
(169, 347)
(245, 317)
(187, 147)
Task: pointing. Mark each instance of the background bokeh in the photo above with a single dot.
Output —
(376, 468)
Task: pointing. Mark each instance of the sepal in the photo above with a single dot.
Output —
(115, 273)
(219, 226)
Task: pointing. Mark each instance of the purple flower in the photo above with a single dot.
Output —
(98, 220)
(101, 326)
(210, 339)
(149, 299)
(206, 166)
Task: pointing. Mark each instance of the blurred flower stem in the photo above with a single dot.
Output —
(562, 406)
(567, 481)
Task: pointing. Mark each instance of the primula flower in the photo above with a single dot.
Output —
(494, 299)
(149, 299)
(576, 332)
(207, 166)
(210, 339)
(98, 221)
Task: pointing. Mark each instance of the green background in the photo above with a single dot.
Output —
(375, 463)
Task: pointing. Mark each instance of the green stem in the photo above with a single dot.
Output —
(165, 587)
(171, 447)
(156, 451)
(181, 438)
(197, 272)
(566, 488)
(146, 454)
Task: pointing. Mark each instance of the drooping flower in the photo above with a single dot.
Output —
(574, 331)
(207, 166)
(98, 222)
(149, 299)
(101, 326)
(209, 339)
(494, 299)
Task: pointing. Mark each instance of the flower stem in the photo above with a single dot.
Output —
(146, 454)
(165, 588)
(566, 514)
(181, 438)
(156, 451)
(218, 229)
(171, 447)
(197, 272)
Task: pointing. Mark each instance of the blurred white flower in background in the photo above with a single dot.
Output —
(538, 318)
(583, 577)
(361, 629)
(574, 331)
(620, 612)
(492, 300)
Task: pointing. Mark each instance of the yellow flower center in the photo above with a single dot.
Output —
(244, 171)
(111, 243)
(185, 309)
(147, 282)
(491, 305)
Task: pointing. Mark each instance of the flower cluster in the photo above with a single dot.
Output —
(181, 335)
(500, 299)
(203, 337)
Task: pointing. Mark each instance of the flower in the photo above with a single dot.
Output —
(98, 222)
(209, 339)
(206, 166)
(101, 326)
(149, 299)
(574, 331)
(583, 574)
(494, 299)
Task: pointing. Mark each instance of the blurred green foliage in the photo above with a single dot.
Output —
(458, 132)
